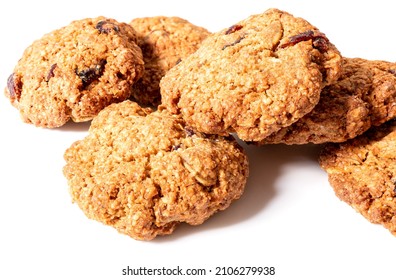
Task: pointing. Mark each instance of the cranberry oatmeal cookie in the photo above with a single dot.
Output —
(75, 71)
(164, 41)
(253, 78)
(362, 172)
(145, 172)
(364, 96)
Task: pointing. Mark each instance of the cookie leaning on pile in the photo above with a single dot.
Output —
(254, 78)
(362, 172)
(75, 71)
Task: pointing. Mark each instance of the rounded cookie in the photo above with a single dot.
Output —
(75, 71)
(362, 172)
(254, 78)
(164, 41)
(144, 172)
(363, 96)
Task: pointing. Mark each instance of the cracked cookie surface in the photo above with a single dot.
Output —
(254, 78)
(164, 41)
(144, 172)
(75, 71)
(363, 96)
(362, 172)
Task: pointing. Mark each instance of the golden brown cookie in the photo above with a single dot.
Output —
(144, 172)
(363, 96)
(164, 41)
(75, 71)
(253, 78)
(362, 172)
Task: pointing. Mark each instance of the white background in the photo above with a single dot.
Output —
(288, 218)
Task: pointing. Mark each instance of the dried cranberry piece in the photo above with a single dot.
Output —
(176, 147)
(91, 74)
(105, 26)
(319, 40)
(51, 72)
(233, 43)
(233, 29)
(392, 71)
(14, 87)
(393, 180)
(189, 131)
(321, 43)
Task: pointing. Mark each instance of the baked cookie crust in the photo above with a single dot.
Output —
(362, 172)
(164, 41)
(75, 71)
(145, 172)
(253, 78)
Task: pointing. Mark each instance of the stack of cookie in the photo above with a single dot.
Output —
(167, 99)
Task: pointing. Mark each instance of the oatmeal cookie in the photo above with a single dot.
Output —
(253, 78)
(144, 172)
(164, 41)
(75, 71)
(364, 96)
(362, 172)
